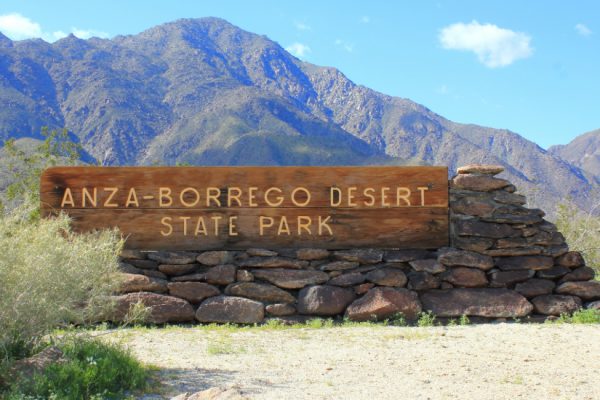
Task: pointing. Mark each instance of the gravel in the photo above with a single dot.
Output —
(492, 361)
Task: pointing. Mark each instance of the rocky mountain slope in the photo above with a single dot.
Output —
(583, 152)
(204, 92)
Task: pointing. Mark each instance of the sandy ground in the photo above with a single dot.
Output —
(495, 361)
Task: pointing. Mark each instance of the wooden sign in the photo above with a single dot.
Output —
(199, 208)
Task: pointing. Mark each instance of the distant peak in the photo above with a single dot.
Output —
(5, 41)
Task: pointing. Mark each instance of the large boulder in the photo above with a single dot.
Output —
(230, 309)
(141, 283)
(291, 279)
(589, 290)
(556, 304)
(161, 308)
(324, 300)
(385, 302)
(194, 292)
(493, 303)
(260, 291)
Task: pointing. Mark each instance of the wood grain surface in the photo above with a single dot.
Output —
(198, 208)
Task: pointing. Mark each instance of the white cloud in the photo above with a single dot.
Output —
(18, 27)
(583, 30)
(365, 19)
(298, 49)
(494, 46)
(302, 26)
(344, 45)
(88, 33)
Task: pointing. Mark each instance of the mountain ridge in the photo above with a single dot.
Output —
(202, 91)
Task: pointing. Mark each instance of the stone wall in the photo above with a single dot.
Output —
(505, 261)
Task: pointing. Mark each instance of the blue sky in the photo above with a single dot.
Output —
(528, 66)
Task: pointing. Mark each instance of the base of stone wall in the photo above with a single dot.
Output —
(506, 262)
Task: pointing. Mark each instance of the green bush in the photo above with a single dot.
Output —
(582, 232)
(90, 369)
(50, 276)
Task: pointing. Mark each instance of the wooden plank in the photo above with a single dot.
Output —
(146, 181)
(395, 207)
(383, 228)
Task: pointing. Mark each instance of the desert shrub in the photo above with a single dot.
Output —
(582, 232)
(50, 276)
(587, 316)
(89, 369)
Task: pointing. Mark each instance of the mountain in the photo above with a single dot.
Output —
(583, 152)
(204, 92)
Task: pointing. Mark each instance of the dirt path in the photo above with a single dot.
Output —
(504, 361)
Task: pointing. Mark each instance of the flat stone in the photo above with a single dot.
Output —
(572, 259)
(230, 309)
(485, 169)
(485, 229)
(143, 264)
(178, 269)
(524, 262)
(346, 280)
(243, 275)
(387, 277)
(478, 183)
(132, 254)
(215, 257)
(465, 277)
(593, 305)
(363, 288)
(162, 308)
(221, 274)
(273, 262)
(141, 283)
(401, 256)
(194, 292)
(504, 197)
(261, 253)
(501, 218)
(260, 291)
(477, 244)
(508, 278)
(280, 309)
(291, 279)
(579, 274)
(324, 300)
(473, 206)
(385, 302)
(535, 287)
(196, 277)
(169, 257)
(552, 273)
(587, 290)
(312, 254)
(491, 303)
(432, 266)
(554, 304)
(423, 281)
(556, 251)
(362, 256)
(130, 269)
(514, 252)
(339, 265)
(463, 258)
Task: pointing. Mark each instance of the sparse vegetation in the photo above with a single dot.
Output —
(582, 232)
(89, 369)
(583, 316)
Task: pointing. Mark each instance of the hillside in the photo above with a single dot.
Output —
(204, 92)
(583, 152)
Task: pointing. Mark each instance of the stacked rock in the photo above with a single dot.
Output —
(506, 261)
